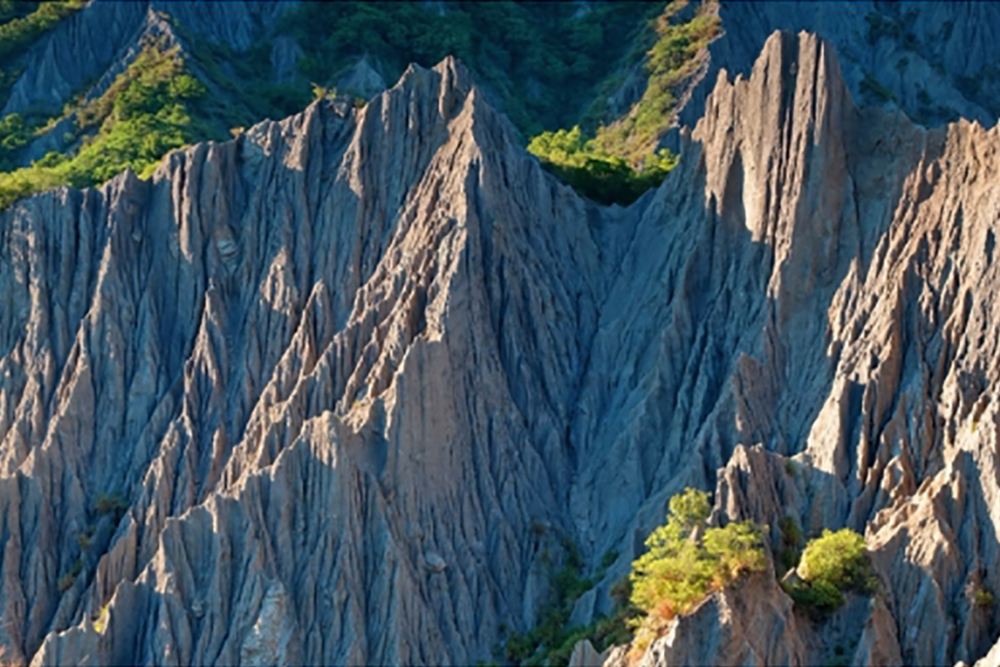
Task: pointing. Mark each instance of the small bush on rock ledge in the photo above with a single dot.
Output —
(831, 564)
(687, 561)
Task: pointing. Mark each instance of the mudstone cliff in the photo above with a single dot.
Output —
(333, 391)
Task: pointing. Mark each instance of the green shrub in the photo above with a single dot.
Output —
(605, 178)
(681, 569)
(817, 598)
(983, 598)
(831, 564)
(838, 558)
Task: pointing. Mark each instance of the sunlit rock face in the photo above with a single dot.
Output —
(333, 392)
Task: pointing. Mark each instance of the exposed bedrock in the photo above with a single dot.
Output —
(334, 391)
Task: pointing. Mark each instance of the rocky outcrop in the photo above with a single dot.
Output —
(879, 238)
(934, 60)
(77, 51)
(331, 393)
(321, 300)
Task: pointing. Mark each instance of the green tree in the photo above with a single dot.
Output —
(832, 564)
(686, 560)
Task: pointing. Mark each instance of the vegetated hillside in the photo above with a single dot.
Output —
(626, 73)
(543, 63)
(367, 385)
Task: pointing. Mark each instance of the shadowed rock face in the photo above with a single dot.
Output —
(933, 59)
(353, 373)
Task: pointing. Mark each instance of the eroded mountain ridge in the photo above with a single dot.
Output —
(333, 392)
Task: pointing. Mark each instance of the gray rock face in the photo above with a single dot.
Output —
(935, 60)
(323, 394)
(78, 50)
(872, 362)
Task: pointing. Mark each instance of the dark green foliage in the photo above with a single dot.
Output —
(15, 134)
(545, 60)
(609, 558)
(15, 9)
(791, 543)
(241, 90)
(550, 633)
(831, 564)
(817, 598)
(875, 91)
(550, 642)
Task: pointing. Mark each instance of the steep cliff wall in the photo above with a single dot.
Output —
(934, 60)
(872, 361)
(333, 392)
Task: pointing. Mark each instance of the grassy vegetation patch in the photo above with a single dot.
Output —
(551, 641)
(622, 161)
(603, 177)
(143, 115)
(672, 60)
